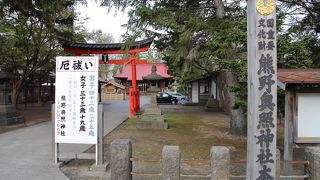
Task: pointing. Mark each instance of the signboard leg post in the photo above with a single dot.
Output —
(99, 145)
(55, 146)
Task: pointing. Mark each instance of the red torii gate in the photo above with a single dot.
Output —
(79, 49)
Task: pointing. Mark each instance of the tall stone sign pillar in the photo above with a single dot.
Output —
(262, 90)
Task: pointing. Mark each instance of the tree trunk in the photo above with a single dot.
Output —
(227, 98)
(15, 93)
(225, 79)
(14, 97)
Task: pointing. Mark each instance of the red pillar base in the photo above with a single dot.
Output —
(134, 101)
(131, 101)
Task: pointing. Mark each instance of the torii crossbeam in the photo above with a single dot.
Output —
(79, 49)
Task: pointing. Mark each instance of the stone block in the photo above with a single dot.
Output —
(152, 122)
(171, 162)
(120, 164)
(100, 168)
(9, 116)
(153, 100)
(152, 118)
(220, 162)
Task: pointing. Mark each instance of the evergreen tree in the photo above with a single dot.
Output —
(204, 36)
(299, 40)
(29, 33)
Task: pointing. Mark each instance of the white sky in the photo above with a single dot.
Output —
(99, 18)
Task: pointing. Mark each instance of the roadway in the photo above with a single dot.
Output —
(26, 153)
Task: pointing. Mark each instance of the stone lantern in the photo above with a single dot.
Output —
(8, 113)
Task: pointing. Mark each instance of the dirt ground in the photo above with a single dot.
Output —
(192, 129)
(195, 132)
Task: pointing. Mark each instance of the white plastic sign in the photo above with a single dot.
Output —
(76, 100)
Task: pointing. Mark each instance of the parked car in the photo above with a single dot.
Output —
(179, 96)
(163, 97)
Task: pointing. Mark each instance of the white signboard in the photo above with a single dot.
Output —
(308, 117)
(76, 100)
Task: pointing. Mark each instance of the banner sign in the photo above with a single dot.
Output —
(76, 100)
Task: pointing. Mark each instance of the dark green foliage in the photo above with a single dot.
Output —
(280, 100)
(28, 32)
(299, 42)
(294, 54)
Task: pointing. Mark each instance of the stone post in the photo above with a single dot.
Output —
(171, 163)
(238, 121)
(121, 165)
(262, 89)
(220, 162)
(312, 154)
(153, 100)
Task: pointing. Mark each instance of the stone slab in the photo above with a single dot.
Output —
(152, 125)
(152, 118)
(155, 121)
(102, 168)
(152, 111)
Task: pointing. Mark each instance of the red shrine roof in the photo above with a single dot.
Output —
(299, 76)
(143, 70)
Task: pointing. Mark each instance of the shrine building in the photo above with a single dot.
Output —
(151, 77)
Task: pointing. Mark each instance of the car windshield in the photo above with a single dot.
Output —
(177, 94)
(165, 95)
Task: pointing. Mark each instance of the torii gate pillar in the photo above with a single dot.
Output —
(134, 92)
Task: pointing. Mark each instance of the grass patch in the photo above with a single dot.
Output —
(133, 121)
(176, 120)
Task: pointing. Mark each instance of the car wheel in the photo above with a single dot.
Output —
(173, 102)
(182, 99)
